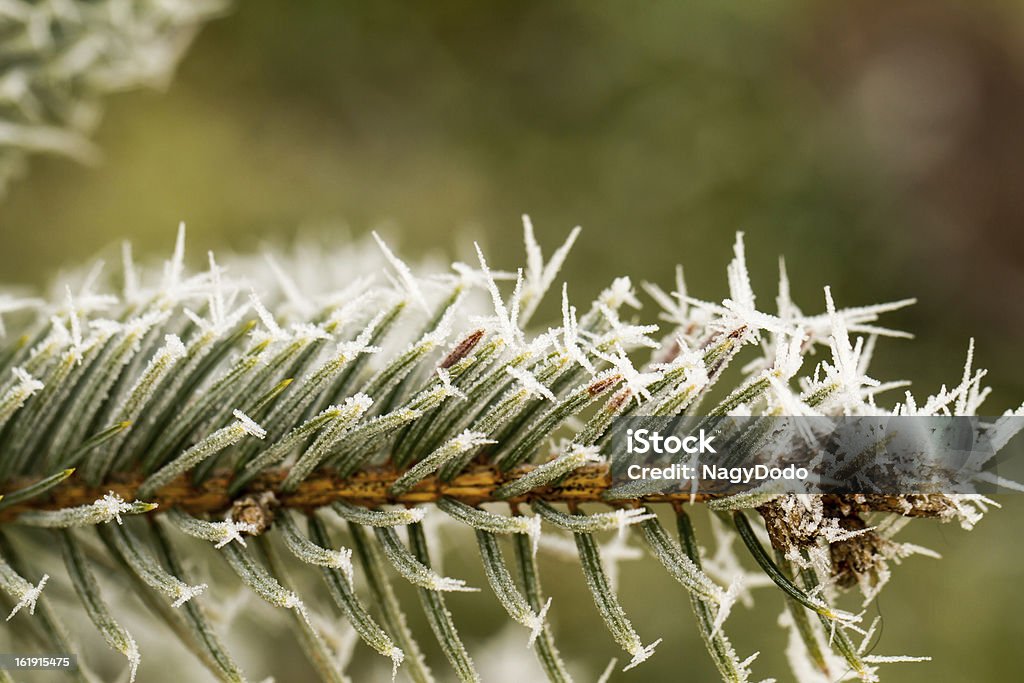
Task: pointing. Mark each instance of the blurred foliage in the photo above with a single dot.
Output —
(876, 145)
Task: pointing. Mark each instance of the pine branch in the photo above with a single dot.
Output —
(372, 487)
(371, 407)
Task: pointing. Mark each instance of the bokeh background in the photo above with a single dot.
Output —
(878, 145)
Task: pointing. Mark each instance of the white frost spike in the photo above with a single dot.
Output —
(27, 382)
(641, 655)
(626, 517)
(856, 319)
(308, 332)
(745, 665)
(174, 268)
(468, 440)
(405, 275)
(537, 623)
(964, 390)
(350, 302)
(726, 603)
(509, 331)
(75, 324)
(186, 593)
(530, 383)
(468, 276)
(788, 358)
(446, 583)
(27, 386)
(618, 293)
(289, 288)
(449, 388)
(216, 298)
(29, 597)
(606, 675)
(348, 350)
(570, 333)
(539, 344)
(137, 327)
(675, 307)
(636, 381)
(1005, 428)
(534, 532)
(844, 370)
(130, 274)
(86, 298)
(836, 535)
(231, 530)
(266, 317)
(342, 559)
(111, 506)
(218, 301)
(397, 657)
(784, 301)
(358, 404)
(415, 514)
(517, 300)
(740, 290)
(173, 348)
(627, 336)
(739, 309)
(249, 425)
(293, 602)
(133, 656)
(539, 276)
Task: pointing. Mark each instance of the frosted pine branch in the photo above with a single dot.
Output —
(272, 401)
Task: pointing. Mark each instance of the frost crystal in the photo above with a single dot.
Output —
(642, 654)
(230, 530)
(405, 276)
(27, 384)
(506, 323)
(571, 342)
(29, 597)
(248, 425)
(637, 382)
(540, 276)
(110, 507)
(529, 383)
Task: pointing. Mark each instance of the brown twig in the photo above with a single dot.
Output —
(369, 488)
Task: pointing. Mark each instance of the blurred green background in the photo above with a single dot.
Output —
(878, 145)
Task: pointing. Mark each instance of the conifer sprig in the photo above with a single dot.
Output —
(309, 399)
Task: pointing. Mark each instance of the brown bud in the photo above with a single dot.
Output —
(462, 349)
(618, 400)
(602, 385)
(256, 509)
